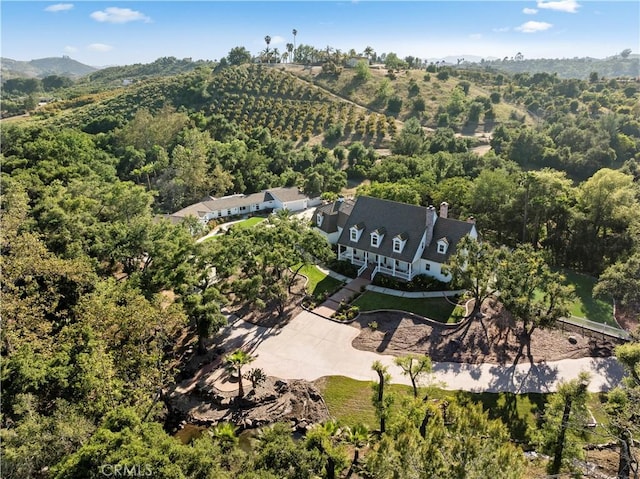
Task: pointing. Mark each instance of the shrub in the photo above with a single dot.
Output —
(394, 105)
(373, 325)
(344, 268)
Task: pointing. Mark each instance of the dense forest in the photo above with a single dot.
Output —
(101, 295)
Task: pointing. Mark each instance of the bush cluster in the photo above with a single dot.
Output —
(344, 268)
(346, 312)
(420, 282)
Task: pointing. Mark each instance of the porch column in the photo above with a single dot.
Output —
(410, 271)
(394, 267)
(339, 251)
(366, 257)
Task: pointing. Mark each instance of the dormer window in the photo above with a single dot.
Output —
(443, 245)
(355, 231)
(398, 242)
(319, 219)
(376, 237)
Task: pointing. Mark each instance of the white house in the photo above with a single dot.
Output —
(397, 239)
(273, 199)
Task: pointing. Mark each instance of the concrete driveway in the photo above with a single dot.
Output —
(309, 347)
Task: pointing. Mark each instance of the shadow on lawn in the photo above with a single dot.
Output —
(597, 310)
(514, 410)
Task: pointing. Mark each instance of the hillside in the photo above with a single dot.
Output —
(249, 95)
(578, 68)
(40, 68)
(165, 66)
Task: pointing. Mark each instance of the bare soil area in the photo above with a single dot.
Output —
(497, 339)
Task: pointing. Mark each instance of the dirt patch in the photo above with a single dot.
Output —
(628, 316)
(495, 340)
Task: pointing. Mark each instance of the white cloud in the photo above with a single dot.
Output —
(119, 15)
(529, 11)
(532, 27)
(475, 36)
(277, 40)
(99, 47)
(59, 7)
(501, 30)
(569, 6)
(70, 49)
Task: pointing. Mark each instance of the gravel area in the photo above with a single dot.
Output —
(495, 340)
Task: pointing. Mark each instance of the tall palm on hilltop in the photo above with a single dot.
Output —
(267, 40)
(295, 32)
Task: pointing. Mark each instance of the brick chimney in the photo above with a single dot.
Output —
(444, 209)
(431, 221)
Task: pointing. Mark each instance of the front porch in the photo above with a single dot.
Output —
(380, 264)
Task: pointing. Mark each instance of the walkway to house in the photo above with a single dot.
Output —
(331, 305)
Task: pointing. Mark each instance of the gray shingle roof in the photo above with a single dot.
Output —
(396, 218)
(286, 194)
(452, 231)
(335, 215)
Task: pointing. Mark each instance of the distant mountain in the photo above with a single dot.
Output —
(580, 68)
(42, 67)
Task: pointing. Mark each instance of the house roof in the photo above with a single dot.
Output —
(284, 195)
(449, 230)
(335, 214)
(397, 218)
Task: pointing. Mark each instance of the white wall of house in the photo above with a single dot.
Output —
(296, 205)
(433, 269)
(332, 238)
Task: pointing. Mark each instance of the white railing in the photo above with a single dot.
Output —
(375, 271)
(397, 273)
(362, 268)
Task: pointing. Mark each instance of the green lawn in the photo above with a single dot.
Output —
(249, 222)
(349, 401)
(319, 282)
(584, 304)
(438, 309)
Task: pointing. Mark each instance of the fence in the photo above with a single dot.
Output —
(585, 325)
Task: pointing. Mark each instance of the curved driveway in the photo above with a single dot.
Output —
(309, 347)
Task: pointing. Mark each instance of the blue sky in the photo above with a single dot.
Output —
(116, 33)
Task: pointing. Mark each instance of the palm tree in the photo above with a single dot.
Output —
(225, 434)
(267, 40)
(290, 51)
(357, 436)
(236, 360)
(323, 437)
(295, 32)
(369, 53)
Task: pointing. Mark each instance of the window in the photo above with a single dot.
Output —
(427, 267)
(355, 231)
(398, 244)
(441, 248)
(319, 218)
(376, 237)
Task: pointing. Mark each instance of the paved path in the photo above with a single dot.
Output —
(310, 347)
